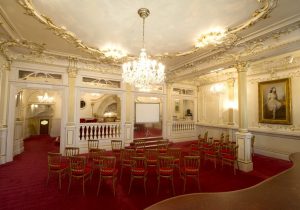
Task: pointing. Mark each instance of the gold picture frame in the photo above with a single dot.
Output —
(275, 101)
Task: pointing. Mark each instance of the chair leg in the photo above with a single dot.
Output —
(184, 183)
(48, 178)
(114, 185)
(131, 180)
(83, 186)
(145, 180)
(70, 180)
(99, 184)
(198, 180)
(59, 180)
(158, 184)
(121, 173)
(172, 185)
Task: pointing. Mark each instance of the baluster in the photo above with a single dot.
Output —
(105, 131)
(113, 131)
(101, 132)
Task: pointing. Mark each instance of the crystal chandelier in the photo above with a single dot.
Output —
(144, 72)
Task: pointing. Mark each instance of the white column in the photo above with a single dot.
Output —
(243, 137)
(170, 109)
(70, 139)
(230, 84)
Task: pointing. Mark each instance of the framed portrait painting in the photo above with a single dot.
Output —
(275, 101)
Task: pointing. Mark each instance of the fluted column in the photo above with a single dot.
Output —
(243, 137)
(230, 84)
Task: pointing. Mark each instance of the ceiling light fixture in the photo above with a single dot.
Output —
(213, 37)
(144, 72)
(45, 98)
(114, 52)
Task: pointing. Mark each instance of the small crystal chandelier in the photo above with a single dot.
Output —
(144, 72)
(45, 98)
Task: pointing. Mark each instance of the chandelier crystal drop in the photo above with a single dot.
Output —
(144, 72)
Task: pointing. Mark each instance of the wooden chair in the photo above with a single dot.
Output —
(231, 158)
(71, 151)
(176, 153)
(151, 157)
(138, 171)
(212, 153)
(92, 145)
(79, 170)
(96, 155)
(163, 146)
(165, 169)
(56, 166)
(126, 162)
(191, 168)
(108, 171)
(116, 146)
(140, 146)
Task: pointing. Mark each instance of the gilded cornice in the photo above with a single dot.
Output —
(244, 51)
(266, 7)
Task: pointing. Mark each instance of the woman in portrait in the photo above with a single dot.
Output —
(273, 104)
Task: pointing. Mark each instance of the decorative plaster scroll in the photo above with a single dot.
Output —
(266, 7)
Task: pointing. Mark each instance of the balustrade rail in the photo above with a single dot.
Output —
(183, 126)
(99, 131)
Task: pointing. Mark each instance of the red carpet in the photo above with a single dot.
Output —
(23, 183)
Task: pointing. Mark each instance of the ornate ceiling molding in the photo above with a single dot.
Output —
(245, 51)
(263, 12)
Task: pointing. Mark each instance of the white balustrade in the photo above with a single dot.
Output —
(99, 131)
(181, 126)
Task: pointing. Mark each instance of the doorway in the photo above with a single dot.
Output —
(44, 126)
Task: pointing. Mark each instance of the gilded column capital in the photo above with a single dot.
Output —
(72, 69)
(169, 85)
(241, 66)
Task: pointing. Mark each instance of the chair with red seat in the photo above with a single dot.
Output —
(96, 155)
(190, 169)
(108, 171)
(176, 153)
(71, 151)
(230, 158)
(138, 171)
(116, 147)
(56, 166)
(163, 146)
(79, 170)
(151, 157)
(126, 155)
(140, 146)
(212, 152)
(165, 169)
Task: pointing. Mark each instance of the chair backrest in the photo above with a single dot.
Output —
(93, 144)
(222, 136)
(174, 152)
(77, 165)
(71, 151)
(116, 145)
(96, 153)
(127, 154)
(192, 162)
(164, 144)
(205, 136)
(54, 160)
(139, 162)
(140, 144)
(109, 162)
(151, 154)
(166, 162)
(226, 139)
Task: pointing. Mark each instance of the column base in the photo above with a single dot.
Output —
(244, 151)
(245, 167)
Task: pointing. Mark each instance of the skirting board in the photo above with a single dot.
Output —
(272, 154)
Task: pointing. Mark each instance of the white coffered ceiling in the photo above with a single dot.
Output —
(81, 28)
